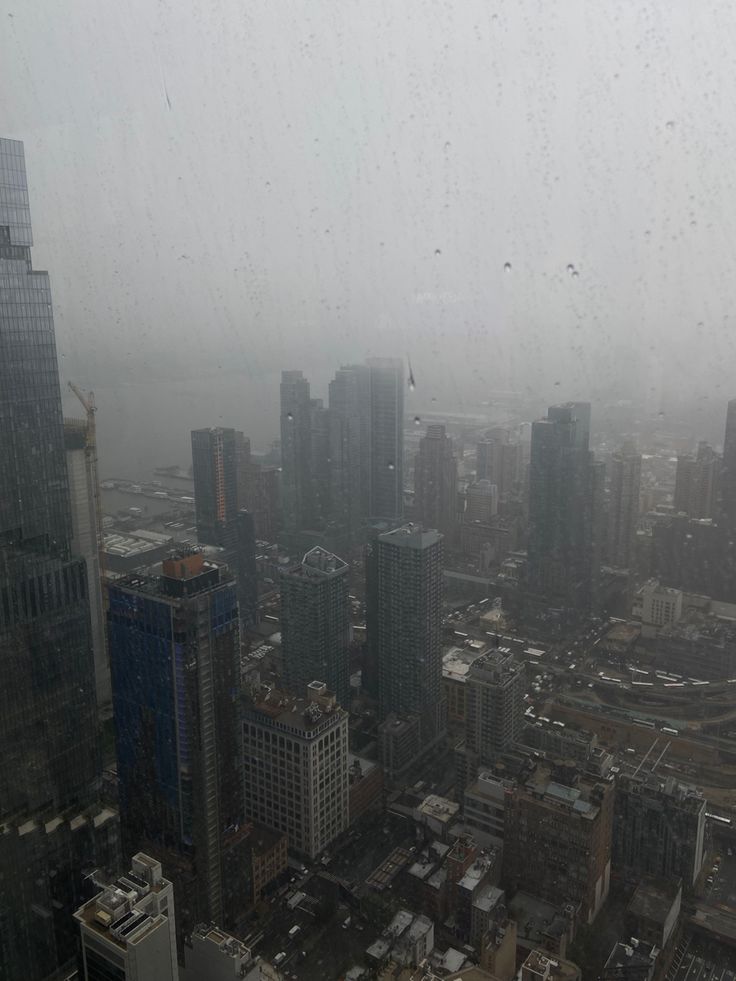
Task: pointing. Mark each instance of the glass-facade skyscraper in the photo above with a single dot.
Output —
(387, 438)
(49, 765)
(174, 655)
(562, 495)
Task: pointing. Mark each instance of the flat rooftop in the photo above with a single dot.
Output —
(411, 536)
(654, 898)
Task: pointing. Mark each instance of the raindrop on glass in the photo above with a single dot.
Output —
(290, 416)
(670, 124)
(391, 466)
(438, 251)
(507, 267)
(417, 421)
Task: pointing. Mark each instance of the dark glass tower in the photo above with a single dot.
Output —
(296, 452)
(50, 762)
(315, 624)
(435, 481)
(405, 614)
(387, 438)
(623, 512)
(350, 451)
(562, 484)
(174, 654)
(219, 457)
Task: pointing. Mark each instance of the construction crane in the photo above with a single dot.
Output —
(90, 449)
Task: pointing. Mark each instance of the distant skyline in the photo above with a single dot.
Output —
(251, 189)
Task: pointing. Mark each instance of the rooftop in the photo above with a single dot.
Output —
(411, 536)
(654, 898)
(636, 953)
(307, 714)
(456, 662)
(125, 911)
(439, 808)
(318, 563)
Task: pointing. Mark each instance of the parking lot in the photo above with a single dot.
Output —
(722, 890)
(694, 967)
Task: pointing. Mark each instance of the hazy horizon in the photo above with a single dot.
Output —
(515, 195)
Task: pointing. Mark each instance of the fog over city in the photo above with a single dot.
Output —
(517, 195)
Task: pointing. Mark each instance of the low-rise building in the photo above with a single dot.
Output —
(268, 857)
(543, 926)
(484, 805)
(538, 966)
(654, 910)
(498, 948)
(365, 786)
(633, 959)
(213, 955)
(437, 814)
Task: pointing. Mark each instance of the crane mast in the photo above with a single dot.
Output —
(88, 402)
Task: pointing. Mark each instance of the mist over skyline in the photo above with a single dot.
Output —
(516, 195)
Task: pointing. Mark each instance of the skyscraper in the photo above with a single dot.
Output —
(499, 460)
(406, 615)
(215, 459)
(50, 763)
(495, 705)
(174, 652)
(561, 508)
(219, 459)
(623, 509)
(350, 451)
(319, 475)
(728, 474)
(296, 452)
(696, 482)
(386, 379)
(435, 481)
(244, 470)
(315, 624)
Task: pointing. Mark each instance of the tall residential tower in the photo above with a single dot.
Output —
(435, 481)
(405, 617)
(387, 438)
(315, 624)
(623, 508)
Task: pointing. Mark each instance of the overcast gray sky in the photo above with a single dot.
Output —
(223, 188)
